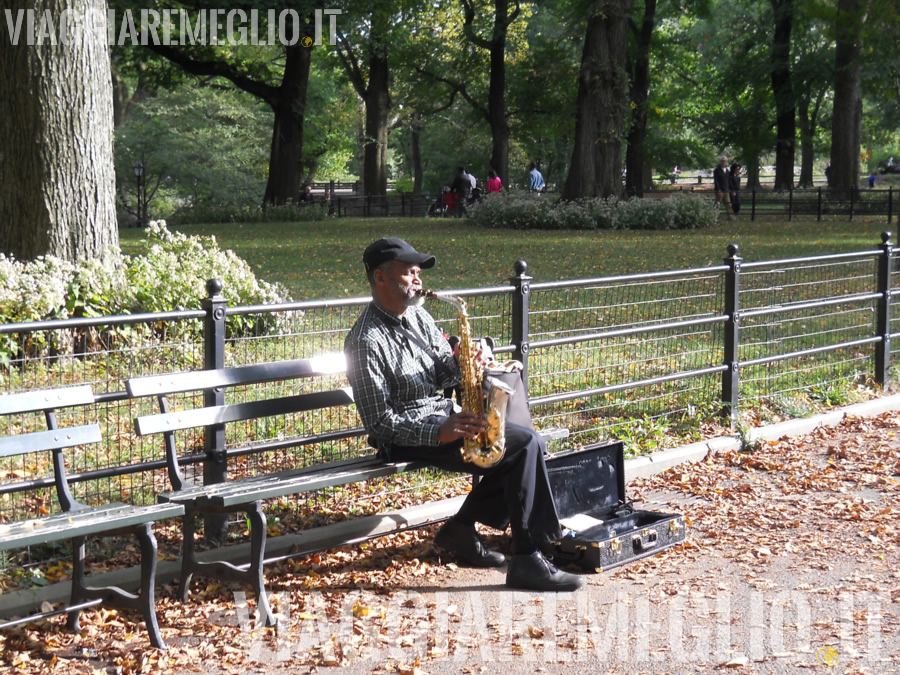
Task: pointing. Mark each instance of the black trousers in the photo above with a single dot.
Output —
(514, 492)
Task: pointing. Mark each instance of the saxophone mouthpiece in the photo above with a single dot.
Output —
(426, 293)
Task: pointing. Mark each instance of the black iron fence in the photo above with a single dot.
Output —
(821, 203)
(757, 203)
(648, 358)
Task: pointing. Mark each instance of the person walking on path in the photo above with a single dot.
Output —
(535, 179)
(734, 185)
(721, 183)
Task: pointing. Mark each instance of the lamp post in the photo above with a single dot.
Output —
(141, 201)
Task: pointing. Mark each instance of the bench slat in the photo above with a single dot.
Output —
(235, 412)
(288, 483)
(82, 522)
(173, 383)
(45, 399)
(55, 439)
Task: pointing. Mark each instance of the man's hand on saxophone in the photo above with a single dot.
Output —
(463, 424)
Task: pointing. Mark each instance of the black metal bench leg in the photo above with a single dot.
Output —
(257, 553)
(188, 555)
(78, 591)
(147, 599)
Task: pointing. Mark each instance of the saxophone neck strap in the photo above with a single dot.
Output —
(424, 346)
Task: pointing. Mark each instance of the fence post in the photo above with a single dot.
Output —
(819, 207)
(215, 466)
(890, 203)
(520, 309)
(731, 376)
(883, 329)
(753, 204)
(790, 204)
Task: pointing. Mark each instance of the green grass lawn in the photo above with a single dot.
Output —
(319, 260)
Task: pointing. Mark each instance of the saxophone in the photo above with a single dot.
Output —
(489, 446)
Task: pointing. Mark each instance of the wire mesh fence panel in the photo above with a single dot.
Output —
(646, 419)
(799, 309)
(894, 305)
(579, 308)
(782, 390)
(659, 328)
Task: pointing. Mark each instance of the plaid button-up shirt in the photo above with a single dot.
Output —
(396, 383)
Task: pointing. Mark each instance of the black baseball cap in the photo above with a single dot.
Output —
(394, 248)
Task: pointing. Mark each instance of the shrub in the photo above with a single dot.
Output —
(518, 210)
(172, 275)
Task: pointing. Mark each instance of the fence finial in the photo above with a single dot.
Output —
(214, 287)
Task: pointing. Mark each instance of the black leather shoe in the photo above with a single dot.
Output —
(532, 572)
(462, 541)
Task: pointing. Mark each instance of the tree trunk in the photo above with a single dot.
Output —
(751, 173)
(807, 124)
(286, 150)
(600, 107)
(378, 109)
(640, 97)
(782, 89)
(57, 182)
(417, 169)
(497, 92)
(497, 107)
(846, 123)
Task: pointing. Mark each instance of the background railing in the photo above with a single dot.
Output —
(757, 203)
(648, 358)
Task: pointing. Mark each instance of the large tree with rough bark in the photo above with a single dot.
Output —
(846, 122)
(639, 68)
(57, 181)
(595, 170)
(783, 93)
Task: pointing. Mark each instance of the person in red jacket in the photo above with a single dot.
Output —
(494, 183)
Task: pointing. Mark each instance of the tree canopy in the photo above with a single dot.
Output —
(407, 90)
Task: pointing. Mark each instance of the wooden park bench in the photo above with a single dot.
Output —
(247, 494)
(75, 521)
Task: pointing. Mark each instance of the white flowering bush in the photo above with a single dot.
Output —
(171, 276)
(524, 211)
(30, 291)
(176, 267)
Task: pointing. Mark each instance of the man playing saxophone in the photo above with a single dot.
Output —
(399, 365)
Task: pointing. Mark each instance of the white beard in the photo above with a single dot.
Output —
(414, 299)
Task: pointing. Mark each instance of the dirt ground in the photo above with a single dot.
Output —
(791, 563)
